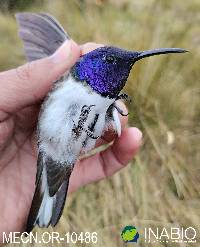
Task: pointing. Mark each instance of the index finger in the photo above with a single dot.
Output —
(29, 83)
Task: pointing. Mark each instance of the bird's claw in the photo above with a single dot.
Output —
(90, 134)
(120, 111)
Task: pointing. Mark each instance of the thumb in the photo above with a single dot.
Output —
(29, 83)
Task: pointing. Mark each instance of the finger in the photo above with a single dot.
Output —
(31, 82)
(31, 113)
(87, 47)
(108, 162)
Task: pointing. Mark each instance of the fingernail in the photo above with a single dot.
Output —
(137, 135)
(64, 52)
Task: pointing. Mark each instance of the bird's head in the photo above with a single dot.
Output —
(107, 68)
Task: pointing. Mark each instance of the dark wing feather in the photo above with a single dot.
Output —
(58, 180)
(38, 196)
(55, 180)
(39, 167)
(41, 34)
(60, 202)
(56, 174)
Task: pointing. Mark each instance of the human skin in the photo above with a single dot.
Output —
(21, 95)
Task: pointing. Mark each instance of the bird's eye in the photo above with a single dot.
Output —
(110, 59)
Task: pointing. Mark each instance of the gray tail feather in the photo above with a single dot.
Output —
(46, 210)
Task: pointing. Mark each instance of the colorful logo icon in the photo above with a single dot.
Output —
(130, 234)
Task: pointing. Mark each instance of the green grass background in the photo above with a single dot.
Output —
(160, 187)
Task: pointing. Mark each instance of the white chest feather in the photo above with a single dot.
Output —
(61, 114)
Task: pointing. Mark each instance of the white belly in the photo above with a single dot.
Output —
(61, 111)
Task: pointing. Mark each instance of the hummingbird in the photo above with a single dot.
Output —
(79, 108)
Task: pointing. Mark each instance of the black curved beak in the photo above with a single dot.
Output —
(160, 51)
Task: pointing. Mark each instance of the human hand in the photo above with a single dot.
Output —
(21, 94)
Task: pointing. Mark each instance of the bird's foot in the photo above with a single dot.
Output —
(124, 96)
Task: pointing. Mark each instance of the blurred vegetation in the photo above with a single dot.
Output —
(13, 5)
(161, 186)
